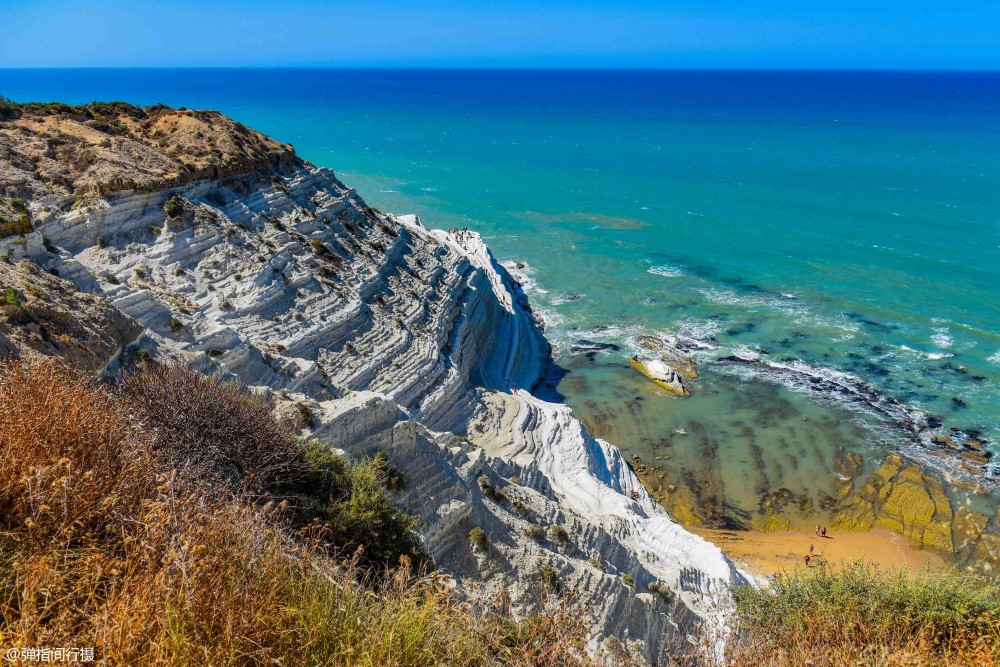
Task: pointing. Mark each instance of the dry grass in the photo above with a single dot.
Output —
(860, 614)
(213, 428)
(107, 543)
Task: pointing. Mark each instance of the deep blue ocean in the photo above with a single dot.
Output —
(844, 222)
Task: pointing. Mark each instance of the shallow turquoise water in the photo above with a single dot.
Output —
(847, 221)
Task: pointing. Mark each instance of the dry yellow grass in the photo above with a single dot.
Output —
(861, 614)
(106, 547)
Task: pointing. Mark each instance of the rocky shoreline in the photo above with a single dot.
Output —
(941, 506)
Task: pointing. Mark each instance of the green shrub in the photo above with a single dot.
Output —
(478, 540)
(863, 594)
(535, 532)
(488, 490)
(394, 479)
(9, 109)
(11, 297)
(173, 207)
(353, 503)
(549, 578)
(628, 579)
(859, 612)
(559, 536)
(661, 589)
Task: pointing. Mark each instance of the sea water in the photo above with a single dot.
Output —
(847, 222)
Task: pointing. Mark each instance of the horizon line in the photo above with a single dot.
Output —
(513, 68)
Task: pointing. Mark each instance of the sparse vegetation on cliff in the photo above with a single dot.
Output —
(105, 147)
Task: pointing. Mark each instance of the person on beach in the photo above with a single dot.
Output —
(817, 530)
(824, 531)
(810, 548)
(808, 558)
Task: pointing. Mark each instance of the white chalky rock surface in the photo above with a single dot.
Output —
(399, 338)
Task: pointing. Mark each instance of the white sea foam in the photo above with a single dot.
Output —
(701, 331)
(928, 355)
(727, 297)
(994, 358)
(665, 270)
(560, 299)
(523, 275)
(942, 338)
(549, 318)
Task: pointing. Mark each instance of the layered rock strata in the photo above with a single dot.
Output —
(380, 334)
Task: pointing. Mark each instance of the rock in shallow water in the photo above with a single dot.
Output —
(662, 374)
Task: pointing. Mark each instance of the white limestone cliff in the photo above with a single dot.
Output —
(385, 335)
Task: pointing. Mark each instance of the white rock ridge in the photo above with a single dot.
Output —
(387, 335)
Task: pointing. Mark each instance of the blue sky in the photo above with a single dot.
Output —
(462, 33)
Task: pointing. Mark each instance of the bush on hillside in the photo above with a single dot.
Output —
(351, 501)
(478, 539)
(104, 545)
(173, 207)
(212, 428)
(9, 109)
(71, 465)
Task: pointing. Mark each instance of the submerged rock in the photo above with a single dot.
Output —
(662, 374)
(589, 347)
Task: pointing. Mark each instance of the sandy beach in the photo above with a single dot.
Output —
(763, 554)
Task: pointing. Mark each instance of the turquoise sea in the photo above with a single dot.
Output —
(830, 225)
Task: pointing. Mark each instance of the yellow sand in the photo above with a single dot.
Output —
(764, 554)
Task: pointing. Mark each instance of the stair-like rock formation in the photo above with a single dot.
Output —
(384, 335)
(42, 315)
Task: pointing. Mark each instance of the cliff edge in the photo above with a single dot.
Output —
(231, 254)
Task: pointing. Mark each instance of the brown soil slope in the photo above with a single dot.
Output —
(100, 148)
